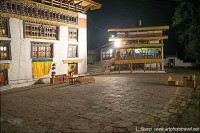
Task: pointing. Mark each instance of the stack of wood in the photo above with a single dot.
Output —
(189, 81)
(171, 81)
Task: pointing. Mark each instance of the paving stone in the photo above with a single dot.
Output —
(183, 104)
(173, 110)
(108, 128)
(117, 105)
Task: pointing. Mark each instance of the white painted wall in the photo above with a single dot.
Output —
(82, 47)
(178, 62)
(20, 70)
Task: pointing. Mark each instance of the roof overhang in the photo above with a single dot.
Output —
(138, 38)
(162, 28)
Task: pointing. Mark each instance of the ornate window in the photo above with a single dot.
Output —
(72, 51)
(3, 27)
(4, 50)
(35, 30)
(32, 10)
(73, 35)
(42, 50)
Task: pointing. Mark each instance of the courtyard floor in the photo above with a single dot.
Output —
(113, 103)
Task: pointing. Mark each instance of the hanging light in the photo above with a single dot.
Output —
(117, 43)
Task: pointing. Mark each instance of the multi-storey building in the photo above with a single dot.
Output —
(36, 33)
(139, 48)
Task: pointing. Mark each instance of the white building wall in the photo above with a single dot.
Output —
(61, 51)
(21, 64)
(82, 48)
(20, 70)
(82, 67)
(178, 62)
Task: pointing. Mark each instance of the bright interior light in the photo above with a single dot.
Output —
(111, 51)
(1, 48)
(112, 36)
(117, 43)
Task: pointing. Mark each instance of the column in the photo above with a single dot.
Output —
(162, 59)
(156, 67)
(131, 68)
(119, 67)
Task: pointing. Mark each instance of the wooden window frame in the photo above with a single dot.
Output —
(39, 45)
(7, 44)
(73, 35)
(7, 28)
(77, 55)
(40, 30)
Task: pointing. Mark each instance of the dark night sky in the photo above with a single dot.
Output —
(126, 14)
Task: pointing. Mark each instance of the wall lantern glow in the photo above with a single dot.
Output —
(117, 43)
(112, 36)
(111, 51)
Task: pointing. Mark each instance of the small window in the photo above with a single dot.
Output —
(42, 50)
(4, 27)
(4, 50)
(72, 51)
(73, 35)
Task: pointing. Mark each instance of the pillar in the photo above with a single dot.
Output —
(162, 59)
(156, 66)
(119, 67)
(131, 68)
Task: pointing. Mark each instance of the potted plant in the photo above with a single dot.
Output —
(53, 73)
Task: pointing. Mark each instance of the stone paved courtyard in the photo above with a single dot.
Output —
(114, 103)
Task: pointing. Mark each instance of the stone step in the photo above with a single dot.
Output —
(99, 67)
(97, 73)
(103, 64)
(3, 88)
(95, 66)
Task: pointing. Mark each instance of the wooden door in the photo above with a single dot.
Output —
(3, 77)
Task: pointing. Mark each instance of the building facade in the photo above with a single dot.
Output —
(139, 49)
(174, 61)
(34, 34)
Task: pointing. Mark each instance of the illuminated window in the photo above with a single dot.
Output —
(138, 51)
(3, 27)
(4, 50)
(42, 50)
(151, 52)
(40, 30)
(72, 51)
(108, 54)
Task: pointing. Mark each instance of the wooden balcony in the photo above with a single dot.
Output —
(137, 38)
(138, 59)
(139, 45)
